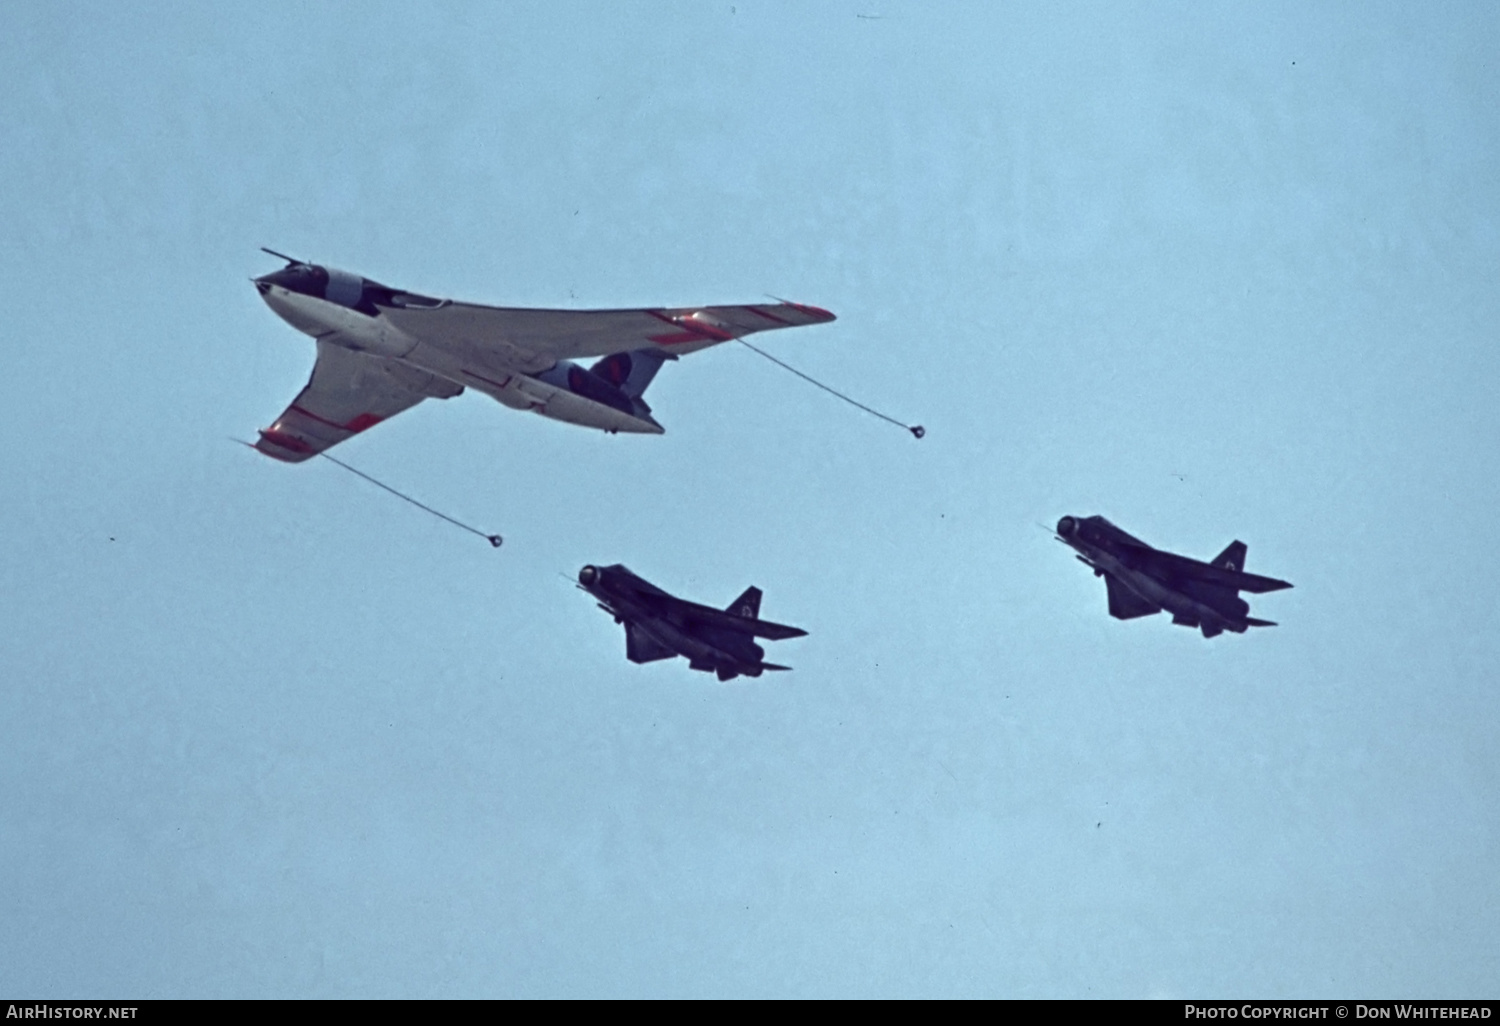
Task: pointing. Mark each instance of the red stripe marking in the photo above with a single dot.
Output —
(686, 323)
(358, 424)
(762, 313)
(706, 329)
(816, 311)
(320, 420)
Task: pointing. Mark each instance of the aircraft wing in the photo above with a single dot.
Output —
(1191, 569)
(533, 340)
(640, 647)
(1125, 604)
(711, 617)
(349, 391)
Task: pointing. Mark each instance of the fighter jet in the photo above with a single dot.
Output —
(660, 626)
(1142, 581)
(382, 350)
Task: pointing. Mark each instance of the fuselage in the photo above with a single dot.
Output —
(1185, 609)
(345, 309)
(1091, 538)
(619, 593)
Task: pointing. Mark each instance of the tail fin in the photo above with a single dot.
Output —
(631, 372)
(1232, 558)
(747, 605)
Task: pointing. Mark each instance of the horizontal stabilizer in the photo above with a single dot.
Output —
(1257, 585)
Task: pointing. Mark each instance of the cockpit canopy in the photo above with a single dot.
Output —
(304, 278)
(343, 288)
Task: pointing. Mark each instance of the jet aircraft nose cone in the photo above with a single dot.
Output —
(588, 575)
(1066, 526)
(303, 278)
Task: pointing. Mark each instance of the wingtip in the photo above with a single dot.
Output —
(280, 446)
(817, 313)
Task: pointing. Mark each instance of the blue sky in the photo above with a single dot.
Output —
(1212, 271)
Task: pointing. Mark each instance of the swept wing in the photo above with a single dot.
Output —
(640, 647)
(1125, 604)
(1183, 568)
(668, 605)
(531, 341)
(711, 617)
(348, 392)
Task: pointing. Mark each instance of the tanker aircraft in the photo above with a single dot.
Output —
(1142, 580)
(382, 350)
